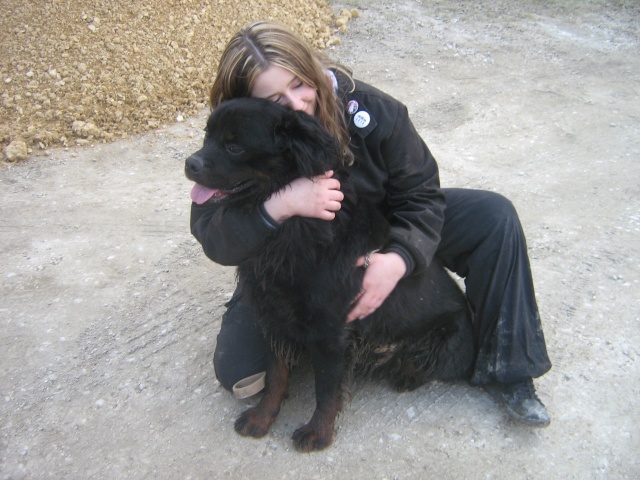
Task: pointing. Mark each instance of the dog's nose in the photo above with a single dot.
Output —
(193, 166)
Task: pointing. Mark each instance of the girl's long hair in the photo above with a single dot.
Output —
(261, 45)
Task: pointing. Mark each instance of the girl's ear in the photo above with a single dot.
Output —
(312, 148)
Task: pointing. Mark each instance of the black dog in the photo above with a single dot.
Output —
(303, 279)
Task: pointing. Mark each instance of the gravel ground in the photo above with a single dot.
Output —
(94, 71)
(109, 310)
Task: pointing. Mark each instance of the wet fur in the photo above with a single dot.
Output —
(303, 278)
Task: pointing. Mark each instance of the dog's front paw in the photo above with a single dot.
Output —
(307, 438)
(253, 424)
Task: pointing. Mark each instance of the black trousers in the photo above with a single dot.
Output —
(483, 242)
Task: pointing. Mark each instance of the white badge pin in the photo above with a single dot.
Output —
(361, 119)
(352, 107)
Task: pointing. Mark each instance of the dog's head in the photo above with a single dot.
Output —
(254, 147)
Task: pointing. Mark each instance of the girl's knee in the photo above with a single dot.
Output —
(224, 371)
(234, 364)
(241, 349)
(500, 206)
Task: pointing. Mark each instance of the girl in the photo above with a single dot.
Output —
(476, 233)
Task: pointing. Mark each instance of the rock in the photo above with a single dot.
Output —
(85, 129)
(16, 151)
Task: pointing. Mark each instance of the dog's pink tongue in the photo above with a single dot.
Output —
(200, 193)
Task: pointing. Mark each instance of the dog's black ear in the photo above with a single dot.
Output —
(310, 145)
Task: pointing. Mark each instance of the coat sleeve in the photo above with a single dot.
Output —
(228, 235)
(414, 201)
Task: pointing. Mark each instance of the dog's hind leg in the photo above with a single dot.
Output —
(454, 341)
(447, 351)
(257, 421)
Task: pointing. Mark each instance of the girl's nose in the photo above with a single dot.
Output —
(295, 103)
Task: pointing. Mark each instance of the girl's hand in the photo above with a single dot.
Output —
(380, 278)
(319, 197)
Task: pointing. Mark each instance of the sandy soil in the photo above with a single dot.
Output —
(110, 310)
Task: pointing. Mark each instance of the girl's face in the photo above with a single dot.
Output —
(281, 86)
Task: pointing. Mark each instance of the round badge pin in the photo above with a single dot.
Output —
(361, 119)
(352, 107)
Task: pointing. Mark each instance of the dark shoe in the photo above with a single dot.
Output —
(521, 402)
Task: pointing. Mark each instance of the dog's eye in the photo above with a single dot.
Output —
(234, 149)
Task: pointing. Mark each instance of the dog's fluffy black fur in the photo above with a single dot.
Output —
(303, 279)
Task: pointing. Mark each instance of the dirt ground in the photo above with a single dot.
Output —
(110, 310)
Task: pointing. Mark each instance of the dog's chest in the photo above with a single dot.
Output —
(305, 262)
